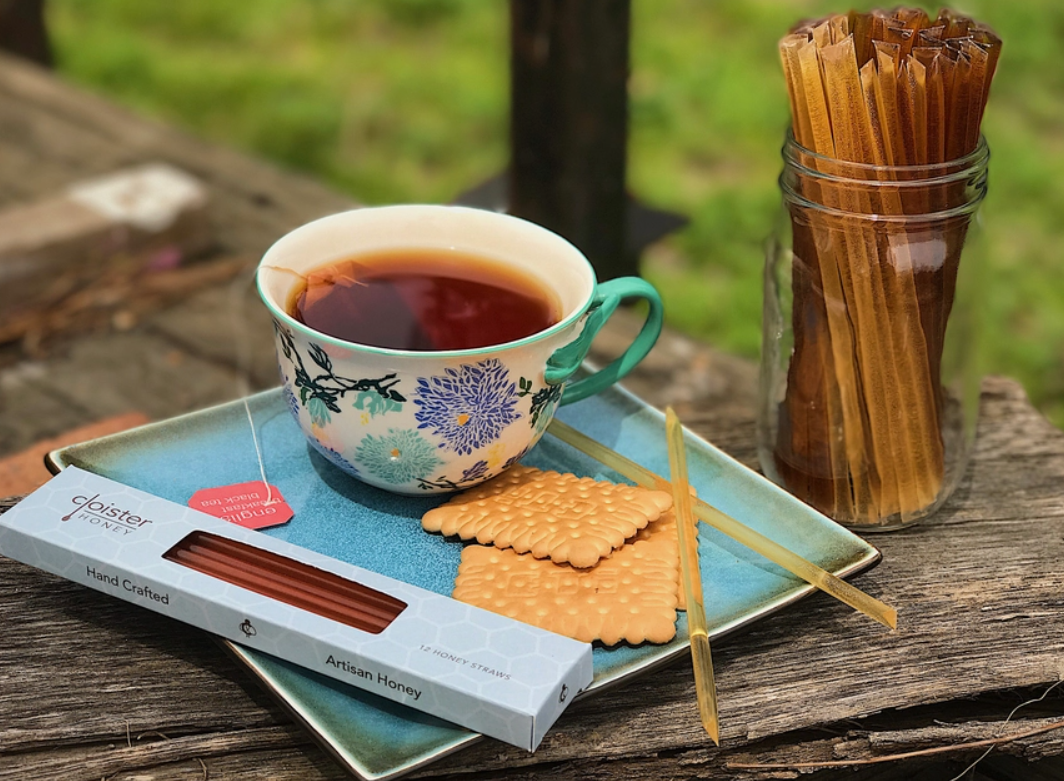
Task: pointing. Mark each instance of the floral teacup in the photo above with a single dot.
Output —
(429, 422)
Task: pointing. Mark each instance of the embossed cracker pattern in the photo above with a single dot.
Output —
(559, 516)
(664, 535)
(629, 597)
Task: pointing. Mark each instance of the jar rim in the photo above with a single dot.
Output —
(968, 207)
(970, 169)
(920, 175)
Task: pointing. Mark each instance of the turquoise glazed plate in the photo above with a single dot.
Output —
(339, 516)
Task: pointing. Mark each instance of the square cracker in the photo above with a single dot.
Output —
(630, 596)
(563, 517)
(664, 535)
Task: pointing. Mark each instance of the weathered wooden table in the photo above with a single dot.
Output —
(91, 689)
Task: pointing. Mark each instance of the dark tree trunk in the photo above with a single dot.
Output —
(569, 123)
(22, 30)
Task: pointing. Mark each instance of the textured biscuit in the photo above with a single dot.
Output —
(630, 596)
(550, 515)
(664, 535)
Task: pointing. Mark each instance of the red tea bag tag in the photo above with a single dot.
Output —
(244, 504)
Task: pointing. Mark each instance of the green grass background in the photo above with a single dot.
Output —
(407, 100)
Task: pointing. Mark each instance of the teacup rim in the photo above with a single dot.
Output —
(278, 313)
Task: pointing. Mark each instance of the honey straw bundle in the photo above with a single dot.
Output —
(901, 95)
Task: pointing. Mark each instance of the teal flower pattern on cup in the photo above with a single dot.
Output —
(319, 412)
(397, 457)
(373, 403)
(467, 407)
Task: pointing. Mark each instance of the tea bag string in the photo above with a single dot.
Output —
(242, 344)
(327, 279)
(285, 269)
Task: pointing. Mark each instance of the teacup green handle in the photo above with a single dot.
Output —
(566, 360)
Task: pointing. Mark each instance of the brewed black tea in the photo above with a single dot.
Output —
(424, 300)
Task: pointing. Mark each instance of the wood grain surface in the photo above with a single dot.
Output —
(93, 688)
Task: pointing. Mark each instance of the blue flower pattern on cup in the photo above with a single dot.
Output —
(467, 407)
(475, 472)
(397, 457)
(291, 400)
(515, 458)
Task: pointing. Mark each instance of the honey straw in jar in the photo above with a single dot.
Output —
(862, 413)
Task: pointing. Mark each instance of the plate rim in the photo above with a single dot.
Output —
(59, 458)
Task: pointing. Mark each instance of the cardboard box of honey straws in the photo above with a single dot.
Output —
(483, 671)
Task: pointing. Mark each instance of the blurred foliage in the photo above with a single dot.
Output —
(406, 100)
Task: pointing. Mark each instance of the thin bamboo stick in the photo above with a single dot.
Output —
(987, 39)
(913, 18)
(801, 111)
(822, 138)
(892, 261)
(979, 59)
(896, 32)
(863, 480)
(907, 114)
(920, 431)
(839, 27)
(918, 79)
(705, 686)
(933, 34)
(957, 122)
(936, 117)
(887, 61)
(822, 35)
(863, 296)
(832, 430)
(861, 25)
(874, 88)
(754, 540)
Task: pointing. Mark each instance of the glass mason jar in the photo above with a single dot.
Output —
(869, 378)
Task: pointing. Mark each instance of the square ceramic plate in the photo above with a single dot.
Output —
(338, 516)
